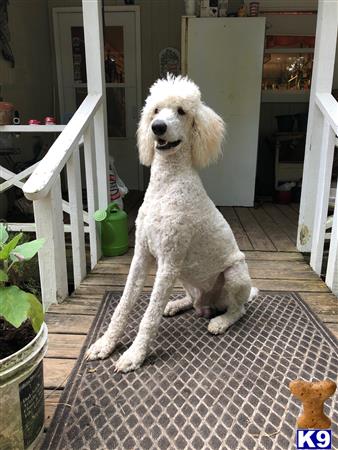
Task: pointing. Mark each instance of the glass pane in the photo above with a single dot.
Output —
(116, 106)
(116, 109)
(113, 54)
(79, 57)
(287, 71)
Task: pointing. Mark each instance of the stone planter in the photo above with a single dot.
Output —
(22, 397)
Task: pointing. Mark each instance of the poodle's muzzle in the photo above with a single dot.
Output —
(159, 128)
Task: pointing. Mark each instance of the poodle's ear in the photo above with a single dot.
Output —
(207, 136)
(145, 141)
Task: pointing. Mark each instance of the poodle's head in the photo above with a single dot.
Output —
(174, 119)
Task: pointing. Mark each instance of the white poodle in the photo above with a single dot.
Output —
(179, 225)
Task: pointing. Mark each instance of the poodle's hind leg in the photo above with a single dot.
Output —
(237, 289)
(181, 304)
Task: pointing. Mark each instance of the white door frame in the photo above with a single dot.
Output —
(124, 8)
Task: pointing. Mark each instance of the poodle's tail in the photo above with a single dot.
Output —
(253, 294)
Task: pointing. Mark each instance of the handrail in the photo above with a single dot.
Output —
(42, 179)
(329, 108)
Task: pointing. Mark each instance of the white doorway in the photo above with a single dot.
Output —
(123, 79)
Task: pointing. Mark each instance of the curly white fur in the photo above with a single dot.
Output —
(179, 225)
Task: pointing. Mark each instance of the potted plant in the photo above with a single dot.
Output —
(23, 344)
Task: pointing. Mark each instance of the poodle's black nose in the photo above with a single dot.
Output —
(159, 127)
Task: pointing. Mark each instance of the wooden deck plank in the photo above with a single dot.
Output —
(68, 323)
(52, 398)
(279, 238)
(291, 285)
(64, 345)
(236, 226)
(289, 212)
(292, 266)
(57, 371)
(281, 220)
(257, 236)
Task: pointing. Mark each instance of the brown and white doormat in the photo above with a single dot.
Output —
(196, 390)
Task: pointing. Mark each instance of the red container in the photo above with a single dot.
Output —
(34, 122)
(50, 121)
(283, 197)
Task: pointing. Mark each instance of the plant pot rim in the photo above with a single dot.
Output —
(12, 365)
(36, 337)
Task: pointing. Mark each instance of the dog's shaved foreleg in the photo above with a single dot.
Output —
(134, 285)
(135, 355)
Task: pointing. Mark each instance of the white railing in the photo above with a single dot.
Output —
(320, 145)
(44, 185)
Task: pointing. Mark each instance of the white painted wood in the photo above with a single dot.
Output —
(332, 264)
(93, 35)
(32, 128)
(49, 168)
(76, 218)
(233, 48)
(13, 180)
(329, 108)
(52, 256)
(31, 227)
(322, 200)
(92, 196)
(322, 77)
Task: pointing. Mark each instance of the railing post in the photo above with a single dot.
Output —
(322, 77)
(332, 263)
(52, 256)
(93, 35)
(92, 200)
(76, 217)
(322, 198)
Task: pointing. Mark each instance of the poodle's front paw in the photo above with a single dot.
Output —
(171, 308)
(101, 349)
(218, 325)
(130, 360)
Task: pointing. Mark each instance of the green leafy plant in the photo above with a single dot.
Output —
(17, 305)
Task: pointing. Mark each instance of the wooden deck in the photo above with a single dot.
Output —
(267, 235)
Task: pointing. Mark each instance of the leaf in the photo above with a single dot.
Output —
(3, 276)
(26, 251)
(16, 306)
(3, 234)
(4, 253)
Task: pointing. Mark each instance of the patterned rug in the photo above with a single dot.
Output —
(199, 391)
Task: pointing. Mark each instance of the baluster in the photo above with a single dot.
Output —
(52, 256)
(322, 200)
(332, 264)
(92, 194)
(76, 217)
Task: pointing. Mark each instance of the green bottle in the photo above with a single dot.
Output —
(114, 230)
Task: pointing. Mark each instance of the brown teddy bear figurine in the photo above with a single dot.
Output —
(313, 396)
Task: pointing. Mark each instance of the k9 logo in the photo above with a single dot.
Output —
(314, 439)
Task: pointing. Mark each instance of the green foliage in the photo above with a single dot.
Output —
(17, 305)
(3, 234)
(26, 251)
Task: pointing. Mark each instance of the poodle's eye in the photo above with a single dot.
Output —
(156, 111)
(180, 111)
